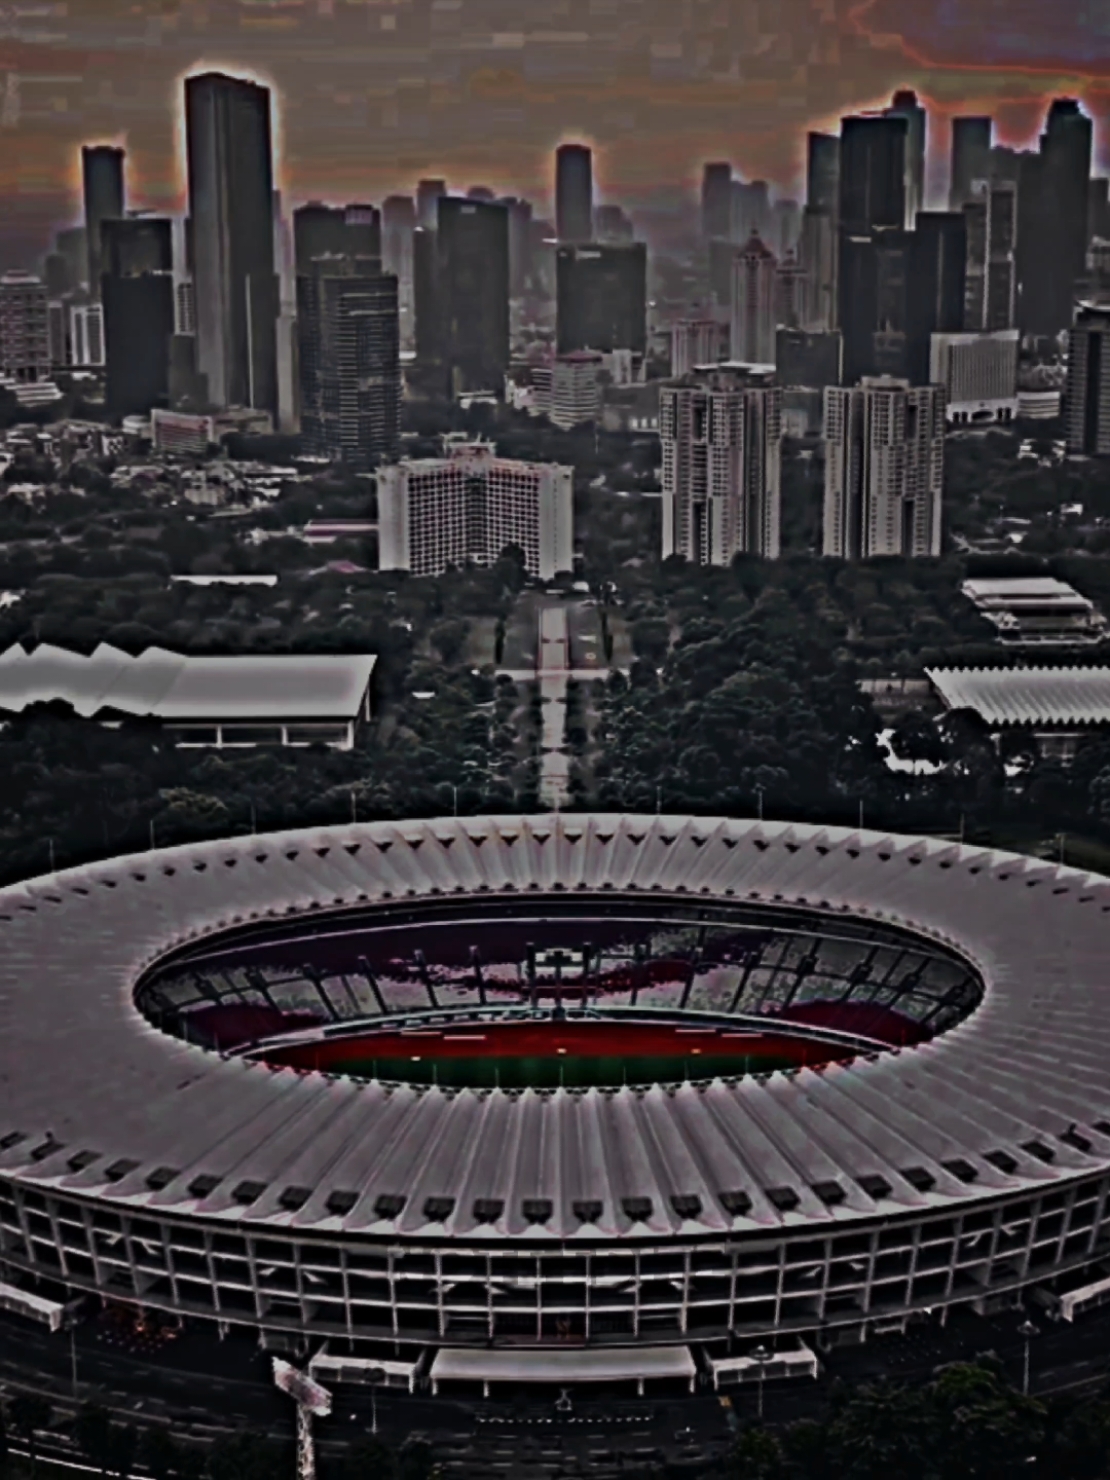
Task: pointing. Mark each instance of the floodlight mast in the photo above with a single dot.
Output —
(310, 1399)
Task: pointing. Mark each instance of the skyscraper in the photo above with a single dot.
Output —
(823, 172)
(1087, 398)
(574, 193)
(231, 204)
(818, 257)
(398, 226)
(716, 201)
(1066, 147)
(884, 469)
(24, 328)
(751, 209)
(102, 179)
(696, 342)
(138, 296)
(721, 435)
(872, 186)
(429, 193)
(611, 224)
(990, 217)
(335, 231)
(601, 297)
(349, 361)
(472, 294)
(1052, 225)
(753, 303)
(520, 243)
(936, 286)
(971, 158)
(904, 104)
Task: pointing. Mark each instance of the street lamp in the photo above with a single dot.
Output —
(761, 1356)
(373, 1377)
(1028, 1331)
(759, 798)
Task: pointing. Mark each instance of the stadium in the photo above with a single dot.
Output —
(470, 1103)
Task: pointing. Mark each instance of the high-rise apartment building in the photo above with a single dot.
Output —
(231, 203)
(697, 342)
(904, 104)
(990, 216)
(1087, 397)
(138, 298)
(102, 182)
(24, 328)
(754, 288)
(462, 297)
(601, 297)
(884, 469)
(971, 158)
(716, 201)
(469, 507)
(721, 435)
(349, 360)
(823, 172)
(574, 193)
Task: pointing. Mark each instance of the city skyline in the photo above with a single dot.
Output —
(446, 91)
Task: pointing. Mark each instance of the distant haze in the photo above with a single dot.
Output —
(373, 94)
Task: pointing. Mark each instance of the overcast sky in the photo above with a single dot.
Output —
(374, 93)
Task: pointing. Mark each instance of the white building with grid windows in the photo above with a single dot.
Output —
(465, 508)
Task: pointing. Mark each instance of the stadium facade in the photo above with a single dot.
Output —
(457, 1098)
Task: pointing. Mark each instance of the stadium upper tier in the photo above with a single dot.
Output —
(99, 1102)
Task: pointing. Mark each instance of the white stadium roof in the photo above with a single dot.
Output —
(1027, 696)
(171, 686)
(177, 1128)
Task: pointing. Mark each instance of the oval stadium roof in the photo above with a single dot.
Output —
(95, 1099)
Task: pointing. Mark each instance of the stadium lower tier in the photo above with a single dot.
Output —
(547, 1052)
(376, 1294)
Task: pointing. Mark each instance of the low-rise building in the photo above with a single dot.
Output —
(1054, 708)
(979, 375)
(296, 700)
(576, 389)
(1036, 611)
(468, 506)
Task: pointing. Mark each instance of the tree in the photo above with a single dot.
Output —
(122, 1449)
(369, 1460)
(757, 1455)
(159, 1453)
(447, 639)
(416, 1460)
(30, 1414)
(92, 1429)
